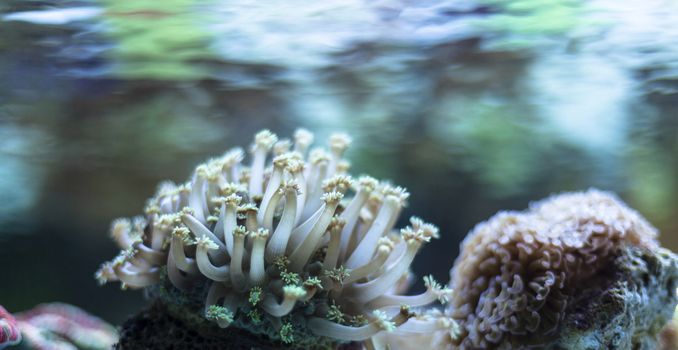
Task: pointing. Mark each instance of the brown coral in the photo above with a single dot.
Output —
(517, 270)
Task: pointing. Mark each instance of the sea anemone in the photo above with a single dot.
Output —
(518, 270)
(280, 244)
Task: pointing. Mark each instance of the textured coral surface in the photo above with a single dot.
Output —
(518, 271)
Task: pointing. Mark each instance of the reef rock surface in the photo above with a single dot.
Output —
(158, 327)
(626, 307)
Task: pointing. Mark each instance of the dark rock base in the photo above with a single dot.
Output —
(625, 307)
(156, 328)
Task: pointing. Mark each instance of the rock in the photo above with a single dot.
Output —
(158, 327)
(627, 307)
(668, 338)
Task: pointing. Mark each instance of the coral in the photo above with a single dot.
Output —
(519, 271)
(9, 330)
(278, 249)
(55, 326)
(63, 326)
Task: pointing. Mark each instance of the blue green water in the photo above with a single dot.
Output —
(474, 106)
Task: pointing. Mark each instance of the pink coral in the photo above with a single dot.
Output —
(9, 331)
(63, 326)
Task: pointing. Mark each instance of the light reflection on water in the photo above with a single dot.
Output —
(21, 175)
(474, 106)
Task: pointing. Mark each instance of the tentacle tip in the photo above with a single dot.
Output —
(294, 166)
(281, 147)
(231, 188)
(293, 291)
(240, 231)
(261, 233)
(318, 156)
(332, 197)
(386, 243)
(289, 186)
(398, 194)
(232, 157)
(343, 166)
(183, 233)
(206, 243)
(313, 282)
(248, 208)
(202, 170)
(383, 321)
(339, 183)
(152, 209)
(232, 200)
(367, 183)
(406, 310)
(185, 211)
(303, 137)
(104, 274)
(119, 227)
(339, 142)
(219, 314)
(287, 333)
(265, 139)
(336, 225)
(428, 229)
(280, 161)
(412, 236)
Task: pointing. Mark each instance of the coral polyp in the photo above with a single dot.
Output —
(289, 244)
(518, 271)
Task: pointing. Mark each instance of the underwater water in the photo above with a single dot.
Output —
(474, 106)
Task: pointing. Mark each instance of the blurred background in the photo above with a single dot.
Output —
(474, 105)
